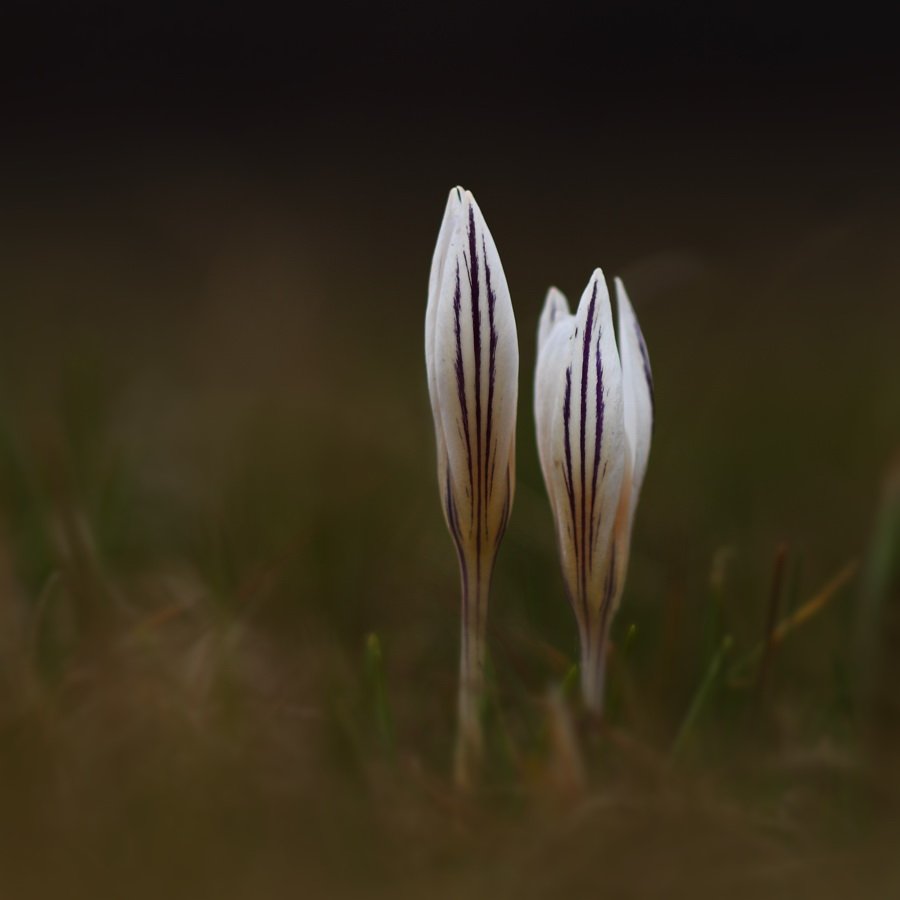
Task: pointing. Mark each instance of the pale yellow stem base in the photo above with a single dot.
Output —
(470, 737)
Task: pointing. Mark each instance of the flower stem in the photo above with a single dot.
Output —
(470, 739)
(593, 671)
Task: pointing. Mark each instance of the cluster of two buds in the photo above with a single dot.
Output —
(593, 400)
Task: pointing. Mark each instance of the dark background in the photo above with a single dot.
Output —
(221, 63)
(692, 119)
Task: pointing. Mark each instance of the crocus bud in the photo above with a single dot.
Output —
(594, 415)
(472, 357)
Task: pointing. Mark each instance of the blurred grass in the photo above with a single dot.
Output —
(216, 491)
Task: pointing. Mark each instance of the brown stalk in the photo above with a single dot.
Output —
(770, 637)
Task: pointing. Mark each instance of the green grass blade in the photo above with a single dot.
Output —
(702, 695)
(377, 692)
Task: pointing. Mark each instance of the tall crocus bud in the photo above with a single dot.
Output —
(593, 401)
(472, 357)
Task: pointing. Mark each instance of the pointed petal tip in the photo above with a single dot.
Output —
(597, 280)
(556, 302)
(623, 304)
(461, 201)
(460, 194)
(556, 307)
(553, 293)
(621, 294)
(456, 197)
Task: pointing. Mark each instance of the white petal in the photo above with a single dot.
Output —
(474, 373)
(434, 369)
(555, 327)
(500, 386)
(554, 352)
(581, 441)
(556, 307)
(451, 215)
(597, 376)
(637, 383)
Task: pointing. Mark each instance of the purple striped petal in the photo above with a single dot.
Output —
(591, 458)
(581, 442)
(637, 382)
(472, 357)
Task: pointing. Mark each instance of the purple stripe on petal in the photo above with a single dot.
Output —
(490, 479)
(585, 360)
(461, 378)
(453, 516)
(570, 488)
(492, 362)
(567, 414)
(645, 359)
(610, 584)
(455, 532)
(504, 519)
(598, 436)
(475, 291)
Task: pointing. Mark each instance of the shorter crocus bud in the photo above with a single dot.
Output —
(472, 358)
(593, 400)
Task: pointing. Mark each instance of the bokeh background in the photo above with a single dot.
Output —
(228, 603)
